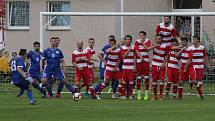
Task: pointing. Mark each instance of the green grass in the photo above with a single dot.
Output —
(191, 108)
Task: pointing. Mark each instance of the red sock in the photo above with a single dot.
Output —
(161, 88)
(131, 85)
(180, 91)
(191, 84)
(120, 89)
(138, 84)
(154, 88)
(147, 83)
(83, 85)
(168, 87)
(92, 91)
(175, 89)
(87, 88)
(199, 89)
(123, 89)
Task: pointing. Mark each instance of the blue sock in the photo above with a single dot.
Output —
(69, 87)
(60, 87)
(30, 95)
(115, 85)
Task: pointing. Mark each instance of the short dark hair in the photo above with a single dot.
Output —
(143, 32)
(112, 40)
(112, 36)
(36, 43)
(54, 38)
(196, 36)
(158, 35)
(184, 39)
(168, 17)
(128, 36)
(91, 38)
(22, 52)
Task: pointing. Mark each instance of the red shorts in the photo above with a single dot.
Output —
(109, 75)
(190, 74)
(83, 74)
(91, 74)
(143, 69)
(172, 75)
(199, 74)
(158, 73)
(127, 75)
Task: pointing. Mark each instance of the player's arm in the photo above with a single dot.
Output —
(150, 47)
(138, 52)
(165, 61)
(24, 74)
(125, 54)
(178, 54)
(187, 65)
(42, 61)
(135, 63)
(63, 65)
(111, 48)
(74, 62)
(100, 56)
(206, 60)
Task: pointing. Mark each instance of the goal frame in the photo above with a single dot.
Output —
(121, 14)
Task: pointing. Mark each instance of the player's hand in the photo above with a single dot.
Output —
(135, 70)
(142, 60)
(185, 70)
(163, 66)
(79, 68)
(29, 79)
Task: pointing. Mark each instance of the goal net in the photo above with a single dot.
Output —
(74, 26)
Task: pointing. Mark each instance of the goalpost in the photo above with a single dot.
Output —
(82, 25)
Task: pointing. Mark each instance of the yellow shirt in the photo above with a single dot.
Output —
(4, 64)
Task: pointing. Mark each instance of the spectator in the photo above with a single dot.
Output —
(4, 63)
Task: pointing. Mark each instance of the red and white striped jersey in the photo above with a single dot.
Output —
(128, 61)
(143, 52)
(185, 55)
(166, 32)
(199, 54)
(113, 57)
(91, 52)
(159, 54)
(173, 60)
(77, 54)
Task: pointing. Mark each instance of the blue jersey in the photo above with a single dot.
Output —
(103, 51)
(34, 61)
(53, 57)
(16, 63)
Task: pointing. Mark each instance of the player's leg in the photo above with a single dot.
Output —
(131, 83)
(182, 79)
(161, 80)
(139, 79)
(169, 81)
(124, 83)
(198, 82)
(175, 83)
(37, 78)
(155, 75)
(61, 77)
(146, 77)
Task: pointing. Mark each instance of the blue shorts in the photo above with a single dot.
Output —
(56, 72)
(24, 84)
(36, 76)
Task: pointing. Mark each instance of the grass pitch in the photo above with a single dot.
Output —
(191, 108)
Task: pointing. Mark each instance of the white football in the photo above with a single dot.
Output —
(76, 96)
